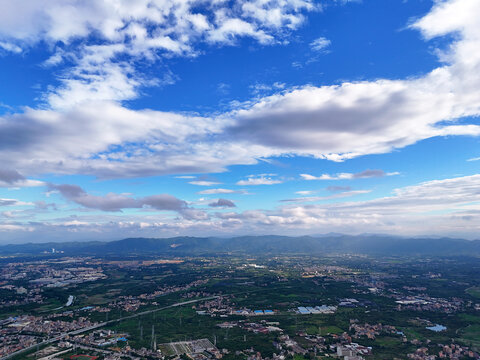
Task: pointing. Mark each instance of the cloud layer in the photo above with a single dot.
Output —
(335, 122)
(85, 127)
(442, 207)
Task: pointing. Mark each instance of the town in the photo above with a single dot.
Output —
(61, 307)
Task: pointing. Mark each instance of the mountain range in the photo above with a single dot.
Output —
(258, 245)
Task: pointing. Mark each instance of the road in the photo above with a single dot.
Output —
(99, 325)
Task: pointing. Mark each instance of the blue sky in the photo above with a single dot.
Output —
(238, 117)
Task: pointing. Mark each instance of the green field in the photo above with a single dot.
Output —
(474, 291)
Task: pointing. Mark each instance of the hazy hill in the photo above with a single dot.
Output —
(259, 245)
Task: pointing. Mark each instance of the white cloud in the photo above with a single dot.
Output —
(23, 183)
(204, 183)
(55, 20)
(13, 202)
(439, 207)
(330, 197)
(320, 44)
(221, 191)
(10, 47)
(259, 88)
(140, 30)
(335, 122)
(305, 192)
(442, 207)
(349, 176)
(309, 177)
(13, 179)
(334, 188)
(370, 117)
(120, 142)
(15, 228)
(262, 179)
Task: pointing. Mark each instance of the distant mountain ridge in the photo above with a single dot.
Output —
(259, 245)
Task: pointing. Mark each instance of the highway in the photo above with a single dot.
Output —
(99, 325)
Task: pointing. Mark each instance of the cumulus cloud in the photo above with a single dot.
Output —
(336, 122)
(224, 203)
(120, 141)
(140, 30)
(351, 119)
(350, 176)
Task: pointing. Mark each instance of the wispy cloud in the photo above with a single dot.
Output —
(350, 176)
(203, 183)
(330, 197)
(264, 88)
(338, 188)
(262, 179)
(14, 202)
(305, 192)
(10, 47)
(320, 44)
(221, 191)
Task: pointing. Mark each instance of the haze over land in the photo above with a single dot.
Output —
(193, 118)
(330, 245)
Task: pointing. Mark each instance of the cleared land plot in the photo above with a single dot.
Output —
(187, 347)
